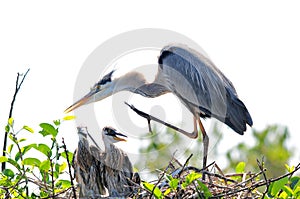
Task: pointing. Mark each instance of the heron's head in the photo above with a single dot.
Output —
(102, 89)
(111, 134)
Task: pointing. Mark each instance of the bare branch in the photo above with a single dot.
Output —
(69, 165)
(18, 86)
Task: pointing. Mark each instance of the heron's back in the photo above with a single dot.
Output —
(202, 87)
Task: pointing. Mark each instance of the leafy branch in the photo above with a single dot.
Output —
(46, 172)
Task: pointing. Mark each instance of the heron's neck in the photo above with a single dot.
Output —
(107, 145)
(136, 83)
(151, 90)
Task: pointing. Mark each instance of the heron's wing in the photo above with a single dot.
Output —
(202, 87)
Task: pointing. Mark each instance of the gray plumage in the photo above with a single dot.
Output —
(102, 173)
(88, 169)
(202, 87)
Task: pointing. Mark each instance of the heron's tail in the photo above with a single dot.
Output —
(237, 115)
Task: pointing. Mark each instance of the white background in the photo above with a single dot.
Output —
(256, 44)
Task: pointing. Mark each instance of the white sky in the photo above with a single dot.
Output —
(256, 44)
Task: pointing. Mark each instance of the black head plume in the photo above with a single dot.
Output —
(106, 78)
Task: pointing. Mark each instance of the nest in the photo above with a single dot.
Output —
(210, 182)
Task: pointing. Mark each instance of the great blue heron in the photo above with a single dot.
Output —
(193, 78)
(103, 173)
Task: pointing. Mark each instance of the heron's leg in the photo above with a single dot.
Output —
(193, 135)
(205, 144)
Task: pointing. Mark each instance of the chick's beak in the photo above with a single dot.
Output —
(120, 138)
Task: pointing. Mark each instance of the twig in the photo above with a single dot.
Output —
(163, 174)
(91, 137)
(13, 186)
(258, 184)
(52, 175)
(18, 86)
(21, 158)
(70, 172)
(261, 167)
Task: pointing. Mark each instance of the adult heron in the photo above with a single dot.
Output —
(193, 78)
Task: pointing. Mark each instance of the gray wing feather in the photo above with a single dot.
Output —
(202, 87)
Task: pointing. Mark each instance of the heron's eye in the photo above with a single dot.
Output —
(96, 87)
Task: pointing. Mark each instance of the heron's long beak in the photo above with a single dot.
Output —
(80, 102)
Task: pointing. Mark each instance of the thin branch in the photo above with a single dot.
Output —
(52, 175)
(18, 86)
(69, 165)
(261, 167)
(21, 158)
(258, 184)
(161, 177)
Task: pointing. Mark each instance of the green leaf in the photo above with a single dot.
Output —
(9, 148)
(21, 140)
(11, 121)
(45, 165)
(174, 183)
(9, 173)
(3, 159)
(56, 122)
(27, 128)
(70, 155)
(63, 184)
(297, 191)
(69, 117)
(278, 185)
(167, 191)
(48, 129)
(55, 174)
(7, 128)
(202, 187)
(288, 190)
(24, 151)
(190, 178)
(12, 138)
(32, 162)
(157, 192)
(43, 148)
(14, 163)
(295, 182)
(289, 169)
(62, 167)
(240, 168)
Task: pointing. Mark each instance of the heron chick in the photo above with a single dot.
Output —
(118, 172)
(87, 167)
(103, 173)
